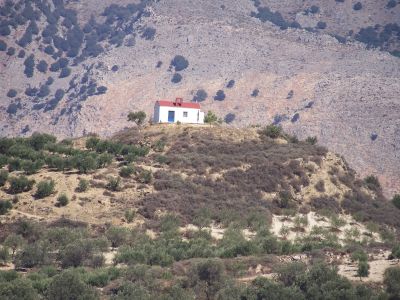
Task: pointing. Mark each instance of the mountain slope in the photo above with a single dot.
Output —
(307, 80)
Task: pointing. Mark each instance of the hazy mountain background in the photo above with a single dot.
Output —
(329, 69)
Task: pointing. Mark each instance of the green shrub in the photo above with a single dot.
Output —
(20, 184)
(359, 255)
(211, 118)
(5, 206)
(272, 131)
(14, 242)
(62, 200)
(137, 117)
(32, 167)
(117, 236)
(312, 140)
(114, 184)
(70, 285)
(4, 254)
(363, 269)
(372, 183)
(3, 177)
(126, 171)
(392, 281)
(145, 176)
(44, 189)
(104, 159)
(18, 289)
(31, 255)
(396, 251)
(83, 185)
(92, 142)
(84, 163)
(129, 215)
(395, 199)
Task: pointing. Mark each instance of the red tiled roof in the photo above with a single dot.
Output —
(178, 104)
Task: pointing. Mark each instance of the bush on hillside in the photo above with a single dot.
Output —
(5, 206)
(3, 177)
(62, 200)
(395, 200)
(219, 96)
(20, 184)
(200, 96)
(11, 93)
(357, 6)
(180, 63)
(271, 131)
(45, 188)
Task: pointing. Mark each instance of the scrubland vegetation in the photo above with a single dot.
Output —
(189, 177)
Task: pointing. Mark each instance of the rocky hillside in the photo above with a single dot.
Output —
(318, 68)
(191, 212)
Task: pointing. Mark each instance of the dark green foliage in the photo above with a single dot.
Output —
(70, 285)
(21, 54)
(84, 163)
(65, 72)
(50, 81)
(179, 63)
(117, 236)
(5, 206)
(49, 50)
(104, 160)
(17, 289)
(62, 200)
(44, 91)
(229, 118)
(20, 184)
(54, 67)
(32, 167)
(38, 141)
(372, 183)
(114, 184)
(321, 25)
(137, 117)
(44, 189)
(83, 185)
(219, 96)
(29, 64)
(3, 46)
(11, 51)
(391, 4)
(357, 6)
(200, 96)
(255, 93)
(126, 171)
(272, 131)
(101, 90)
(230, 84)
(392, 281)
(395, 200)
(5, 30)
(363, 269)
(265, 14)
(176, 78)
(149, 33)
(3, 177)
(210, 118)
(314, 9)
(31, 255)
(312, 140)
(145, 176)
(11, 93)
(42, 66)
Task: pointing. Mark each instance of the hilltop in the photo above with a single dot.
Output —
(152, 211)
(317, 68)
